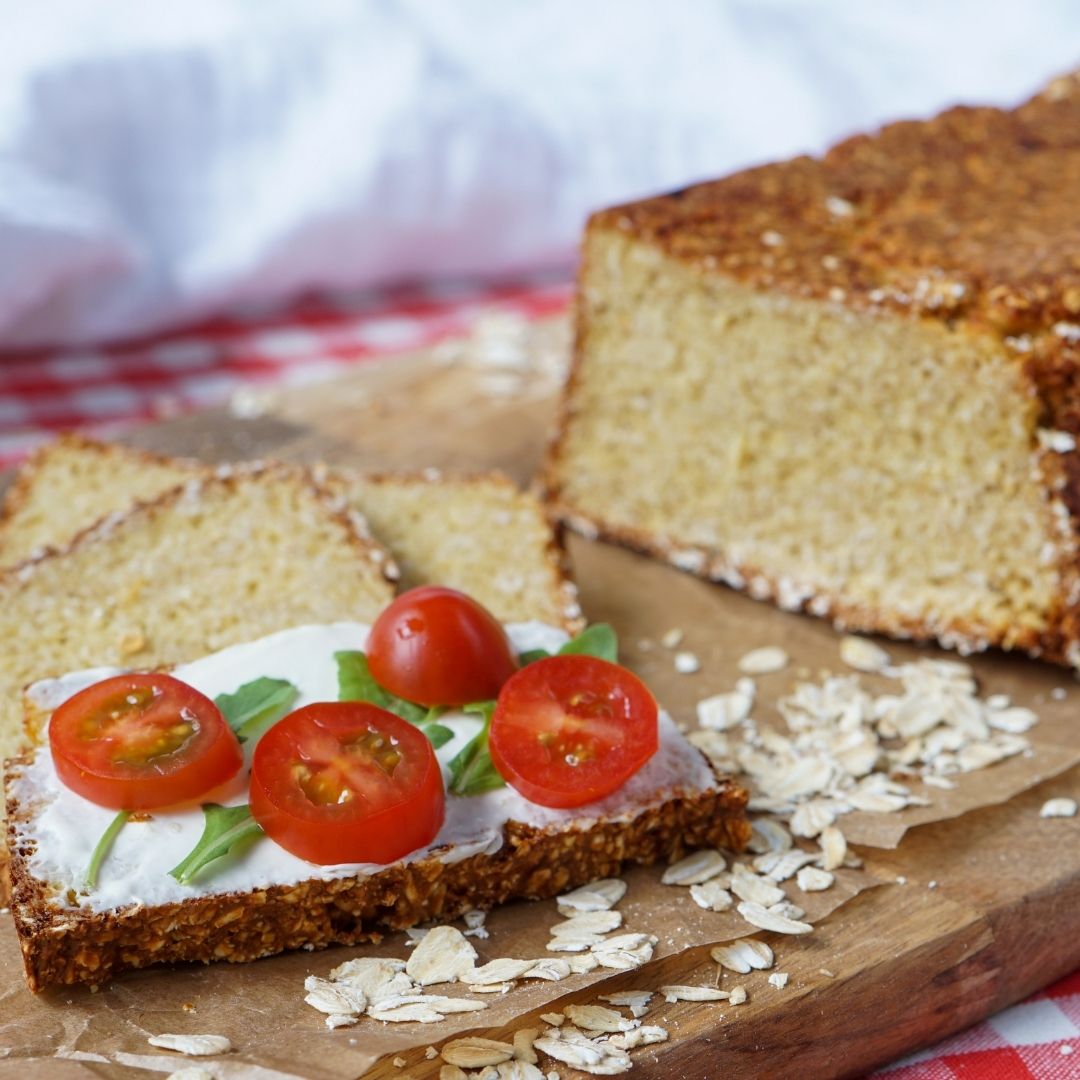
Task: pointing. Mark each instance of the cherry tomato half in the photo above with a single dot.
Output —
(142, 741)
(347, 782)
(437, 646)
(568, 730)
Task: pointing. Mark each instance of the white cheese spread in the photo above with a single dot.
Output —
(65, 827)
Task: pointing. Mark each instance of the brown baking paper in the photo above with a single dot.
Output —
(260, 1006)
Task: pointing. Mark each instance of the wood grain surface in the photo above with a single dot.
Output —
(990, 907)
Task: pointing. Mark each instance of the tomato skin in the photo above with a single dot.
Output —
(142, 741)
(596, 712)
(317, 790)
(437, 646)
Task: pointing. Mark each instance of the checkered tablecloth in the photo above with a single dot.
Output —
(101, 390)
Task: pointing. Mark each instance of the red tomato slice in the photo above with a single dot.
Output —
(142, 741)
(347, 782)
(568, 730)
(437, 646)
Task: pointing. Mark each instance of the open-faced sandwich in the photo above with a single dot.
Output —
(329, 782)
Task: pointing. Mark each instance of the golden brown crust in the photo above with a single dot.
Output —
(968, 215)
(64, 946)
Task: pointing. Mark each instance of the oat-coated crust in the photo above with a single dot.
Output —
(969, 218)
(65, 946)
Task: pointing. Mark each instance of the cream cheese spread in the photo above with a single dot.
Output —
(65, 827)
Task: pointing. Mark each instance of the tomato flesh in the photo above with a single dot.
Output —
(437, 646)
(568, 730)
(142, 741)
(347, 782)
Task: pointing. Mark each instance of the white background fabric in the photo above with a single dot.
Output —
(158, 162)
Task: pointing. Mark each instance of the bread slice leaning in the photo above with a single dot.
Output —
(228, 556)
(477, 533)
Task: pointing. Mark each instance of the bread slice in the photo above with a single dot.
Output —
(849, 385)
(228, 556)
(480, 534)
(493, 846)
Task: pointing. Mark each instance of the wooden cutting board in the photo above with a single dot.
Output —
(907, 963)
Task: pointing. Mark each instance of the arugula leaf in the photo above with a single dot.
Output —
(598, 640)
(251, 709)
(103, 847)
(438, 734)
(472, 771)
(224, 828)
(530, 656)
(356, 683)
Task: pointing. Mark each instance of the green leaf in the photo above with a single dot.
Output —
(598, 640)
(356, 683)
(531, 656)
(224, 828)
(103, 847)
(472, 771)
(256, 705)
(437, 733)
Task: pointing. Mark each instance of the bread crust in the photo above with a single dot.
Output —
(64, 946)
(873, 227)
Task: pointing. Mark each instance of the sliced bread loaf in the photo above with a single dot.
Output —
(480, 534)
(225, 557)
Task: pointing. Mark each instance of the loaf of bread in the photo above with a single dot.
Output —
(479, 534)
(228, 556)
(850, 385)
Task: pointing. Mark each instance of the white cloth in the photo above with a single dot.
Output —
(158, 161)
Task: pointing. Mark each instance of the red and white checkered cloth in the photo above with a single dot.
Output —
(103, 389)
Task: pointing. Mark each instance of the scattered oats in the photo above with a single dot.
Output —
(550, 968)
(779, 979)
(502, 970)
(431, 1053)
(695, 868)
(333, 1000)
(625, 941)
(783, 865)
(192, 1045)
(598, 1018)
(519, 1070)
(581, 963)
(942, 782)
(693, 993)
(415, 934)
(642, 1036)
(827, 973)
(768, 835)
(758, 916)
(1058, 808)
(444, 955)
(491, 988)
(746, 885)
(554, 1019)
(443, 1004)
(474, 922)
(711, 896)
(764, 661)
(399, 1063)
(787, 909)
(624, 959)
(191, 1072)
(452, 1072)
(811, 879)
(877, 802)
(588, 922)
(833, 848)
(811, 818)
(374, 978)
(863, 655)
(474, 1052)
(414, 1012)
(744, 955)
(1016, 720)
(672, 639)
(737, 995)
(578, 943)
(597, 1059)
(596, 896)
(687, 663)
(723, 711)
(523, 1044)
(637, 1001)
